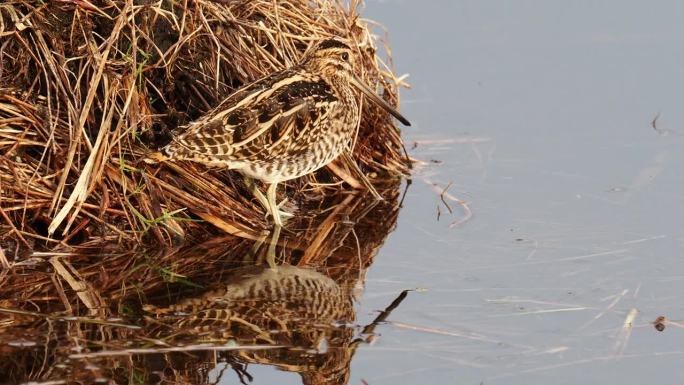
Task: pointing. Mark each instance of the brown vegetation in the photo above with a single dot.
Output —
(88, 87)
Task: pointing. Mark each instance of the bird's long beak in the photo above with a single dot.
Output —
(378, 100)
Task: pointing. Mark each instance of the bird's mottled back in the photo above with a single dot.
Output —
(284, 119)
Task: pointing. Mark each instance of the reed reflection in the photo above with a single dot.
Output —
(219, 308)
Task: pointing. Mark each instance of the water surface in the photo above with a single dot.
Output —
(540, 117)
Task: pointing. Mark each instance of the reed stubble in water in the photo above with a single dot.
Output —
(87, 87)
(193, 295)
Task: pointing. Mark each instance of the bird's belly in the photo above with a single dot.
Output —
(292, 165)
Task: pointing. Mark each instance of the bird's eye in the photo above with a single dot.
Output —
(344, 56)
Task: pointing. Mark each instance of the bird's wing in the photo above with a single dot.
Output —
(255, 119)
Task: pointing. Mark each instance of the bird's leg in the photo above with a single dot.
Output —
(256, 192)
(273, 205)
(264, 201)
(271, 253)
(254, 254)
(281, 213)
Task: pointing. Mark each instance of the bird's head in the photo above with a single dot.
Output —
(332, 58)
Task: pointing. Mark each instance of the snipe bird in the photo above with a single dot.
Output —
(285, 125)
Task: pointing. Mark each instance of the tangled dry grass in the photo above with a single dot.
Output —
(88, 87)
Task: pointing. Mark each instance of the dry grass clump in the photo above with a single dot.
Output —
(88, 87)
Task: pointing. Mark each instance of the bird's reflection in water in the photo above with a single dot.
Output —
(302, 312)
(305, 312)
(231, 310)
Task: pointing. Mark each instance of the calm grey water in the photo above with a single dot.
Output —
(540, 115)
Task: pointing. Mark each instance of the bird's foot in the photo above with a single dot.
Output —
(285, 214)
(279, 217)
